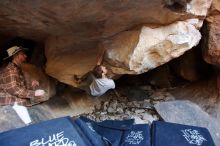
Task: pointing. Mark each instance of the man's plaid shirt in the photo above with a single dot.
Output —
(12, 86)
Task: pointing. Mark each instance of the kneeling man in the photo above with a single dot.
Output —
(12, 82)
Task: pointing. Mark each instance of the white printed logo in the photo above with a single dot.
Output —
(57, 139)
(193, 136)
(90, 126)
(134, 137)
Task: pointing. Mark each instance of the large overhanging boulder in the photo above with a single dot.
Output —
(130, 52)
(135, 52)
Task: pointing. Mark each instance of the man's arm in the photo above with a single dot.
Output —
(78, 80)
(14, 88)
(101, 54)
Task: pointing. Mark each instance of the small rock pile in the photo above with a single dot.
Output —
(122, 108)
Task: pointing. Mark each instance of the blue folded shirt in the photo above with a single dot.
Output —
(121, 133)
(117, 124)
(61, 131)
(111, 135)
(171, 134)
(88, 130)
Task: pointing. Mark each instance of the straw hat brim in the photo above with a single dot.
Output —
(15, 52)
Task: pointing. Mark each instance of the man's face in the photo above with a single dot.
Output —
(21, 56)
(104, 70)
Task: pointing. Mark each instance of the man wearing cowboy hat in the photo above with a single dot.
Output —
(12, 83)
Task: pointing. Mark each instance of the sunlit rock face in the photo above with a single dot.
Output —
(150, 47)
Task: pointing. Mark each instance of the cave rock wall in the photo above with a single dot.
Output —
(138, 35)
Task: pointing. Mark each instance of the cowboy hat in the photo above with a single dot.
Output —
(13, 50)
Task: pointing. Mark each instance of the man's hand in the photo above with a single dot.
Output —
(34, 84)
(76, 79)
(39, 92)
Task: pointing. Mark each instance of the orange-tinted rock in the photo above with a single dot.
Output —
(66, 58)
(211, 40)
